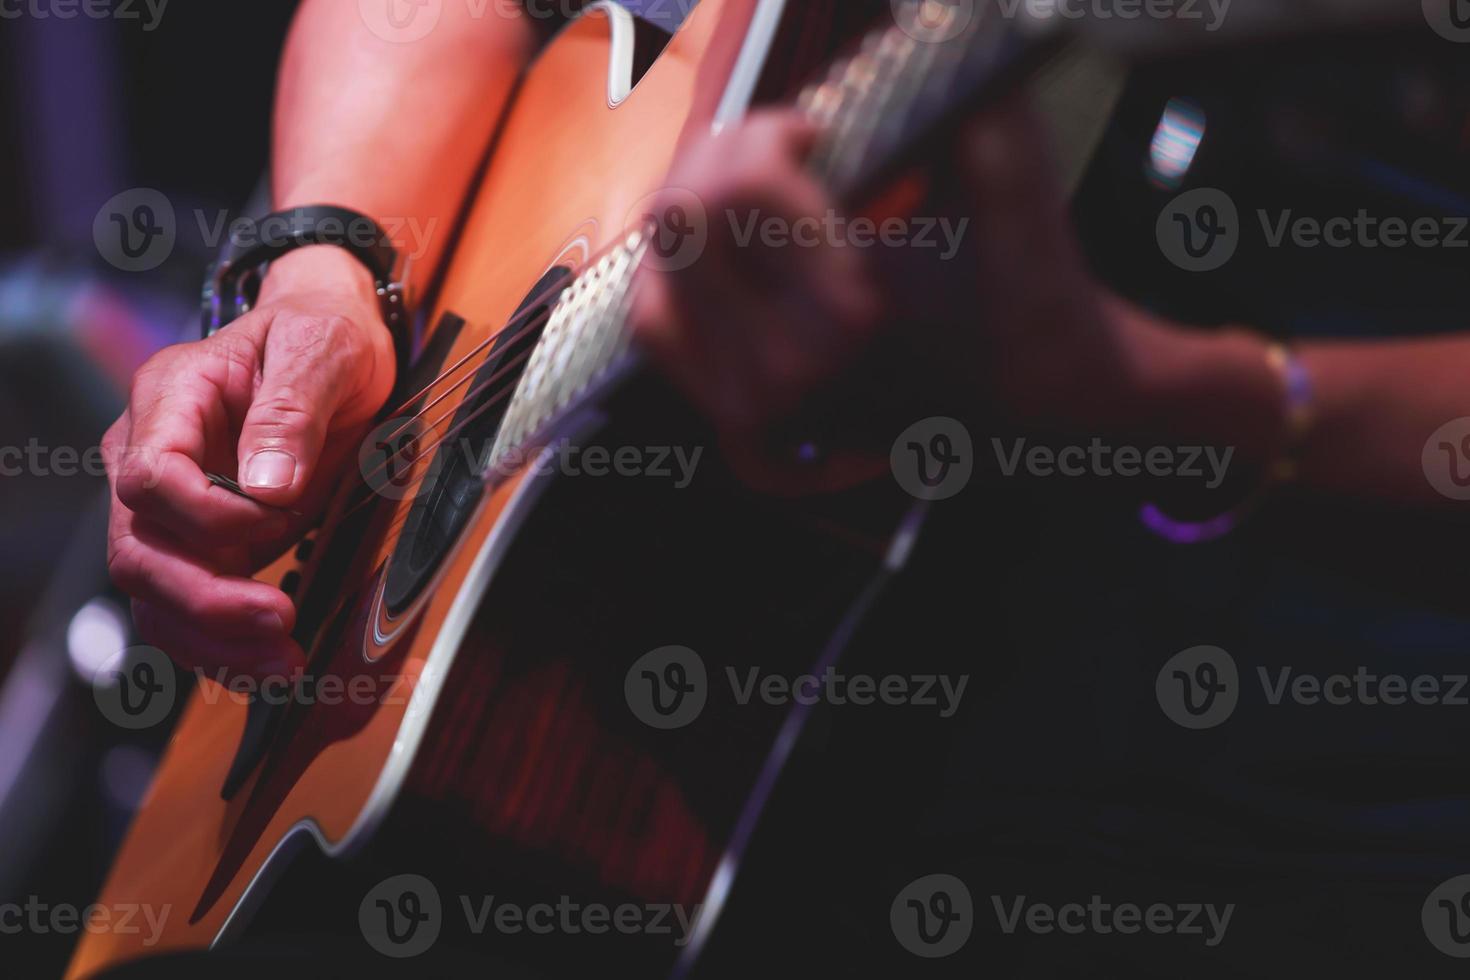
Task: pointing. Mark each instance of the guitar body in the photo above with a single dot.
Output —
(477, 703)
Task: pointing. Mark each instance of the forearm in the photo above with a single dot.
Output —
(1374, 404)
(394, 130)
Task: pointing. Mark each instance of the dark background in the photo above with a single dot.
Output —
(1332, 826)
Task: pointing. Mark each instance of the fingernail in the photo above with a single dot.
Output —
(270, 468)
(269, 621)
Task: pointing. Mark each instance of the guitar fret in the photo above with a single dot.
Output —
(865, 106)
(869, 88)
(585, 335)
(879, 86)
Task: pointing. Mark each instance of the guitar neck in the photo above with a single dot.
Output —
(911, 81)
(941, 60)
(908, 84)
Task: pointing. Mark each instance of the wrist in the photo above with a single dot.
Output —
(322, 269)
(1217, 387)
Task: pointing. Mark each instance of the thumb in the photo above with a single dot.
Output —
(305, 379)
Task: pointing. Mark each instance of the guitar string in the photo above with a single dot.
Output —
(851, 98)
(529, 306)
(456, 429)
(847, 106)
(468, 397)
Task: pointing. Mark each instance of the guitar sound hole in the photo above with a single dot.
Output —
(438, 517)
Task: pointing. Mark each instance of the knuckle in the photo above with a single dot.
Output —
(125, 564)
(131, 490)
(205, 607)
(112, 440)
(315, 334)
(286, 409)
(136, 474)
(235, 350)
(162, 361)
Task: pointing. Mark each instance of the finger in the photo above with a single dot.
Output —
(1014, 193)
(313, 366)
(178, 417)
(789, 132)
(200, 650)
(723, 327)
(787, 317)
(147, 565)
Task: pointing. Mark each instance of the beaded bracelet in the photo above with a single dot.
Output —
(1298, 402)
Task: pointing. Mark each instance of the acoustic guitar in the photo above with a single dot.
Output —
(527, 658)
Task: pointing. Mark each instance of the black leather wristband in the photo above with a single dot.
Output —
(233, 283)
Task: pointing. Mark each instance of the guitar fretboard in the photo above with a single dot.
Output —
(585, 336)
(870, 107)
